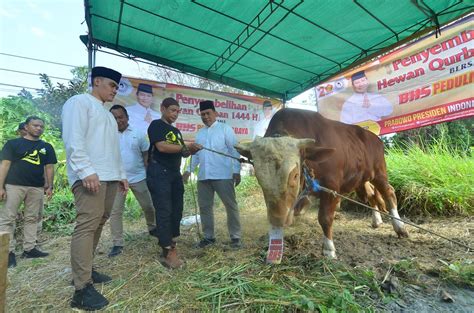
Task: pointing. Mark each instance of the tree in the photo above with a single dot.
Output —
(167, 75)
(456, 135)
(52, 97)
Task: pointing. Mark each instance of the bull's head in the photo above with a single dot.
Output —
(277, 163)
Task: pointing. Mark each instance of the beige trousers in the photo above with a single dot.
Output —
(93, 210)
(140, 191)
(33, 198)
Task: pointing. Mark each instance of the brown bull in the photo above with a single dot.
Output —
(343, 158)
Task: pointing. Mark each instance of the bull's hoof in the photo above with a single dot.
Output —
(402, 233)
(376, 224)
(329, 254)
(299, 212)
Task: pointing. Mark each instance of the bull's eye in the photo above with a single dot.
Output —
(293, 178)
(277, 164)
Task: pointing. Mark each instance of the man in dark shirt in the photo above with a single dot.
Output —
(22, 179)
(164, 178)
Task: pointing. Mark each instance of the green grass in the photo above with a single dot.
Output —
(460, 272)
(432, 182)
(295, 286)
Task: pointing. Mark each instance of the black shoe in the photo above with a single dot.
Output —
(88, 299)
(11, 259)
(206, 242)
(116, 250)
(34, 253)
(153, 232)
(235, 243)
(98, 278)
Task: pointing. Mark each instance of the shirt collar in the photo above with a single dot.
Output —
(142, 108)
(128, 129)
(213, 125)
(94, 98)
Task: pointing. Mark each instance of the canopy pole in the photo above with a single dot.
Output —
(89, 56)
(94, 51)
(91, 51)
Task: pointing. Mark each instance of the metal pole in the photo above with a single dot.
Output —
(89, 54)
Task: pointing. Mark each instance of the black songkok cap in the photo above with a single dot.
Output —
(205, 105)
(145, 88)
(267, 104)
(100, 71)
(21, 126)
(358, 75)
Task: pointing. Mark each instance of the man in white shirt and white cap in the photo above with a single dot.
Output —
(217, 174)
(95, 171)
(141, 114)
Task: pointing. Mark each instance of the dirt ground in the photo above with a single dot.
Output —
(43, 284)
(410, 262)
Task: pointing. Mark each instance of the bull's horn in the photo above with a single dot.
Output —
(302, 143)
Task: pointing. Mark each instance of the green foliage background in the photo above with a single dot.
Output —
(457, 136)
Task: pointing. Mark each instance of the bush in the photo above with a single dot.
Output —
(59, 213)
(433, 181)
(457, 136)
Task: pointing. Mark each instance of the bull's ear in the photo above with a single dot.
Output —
(244, 149)
(317, 154)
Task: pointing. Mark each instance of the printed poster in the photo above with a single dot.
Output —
(247, 115)
(425, 82)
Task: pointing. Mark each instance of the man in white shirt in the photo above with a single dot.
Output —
(217, 174)
(141, 114)
(134, 150)
(262, 125)
(362, 105)
(95, 171)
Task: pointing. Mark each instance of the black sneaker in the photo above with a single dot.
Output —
(88, 299)
(206, 242)
(34, 253)
(116, 250)
(153, 232)
(11, 259)
(235, 243)
(98, 278)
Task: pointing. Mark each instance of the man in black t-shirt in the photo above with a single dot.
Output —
(164, 178)
(22, 179)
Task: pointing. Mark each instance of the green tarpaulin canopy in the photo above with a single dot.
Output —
(274, 48)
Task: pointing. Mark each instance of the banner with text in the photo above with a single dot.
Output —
(425, 82)
(142, 99)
